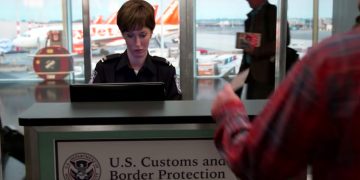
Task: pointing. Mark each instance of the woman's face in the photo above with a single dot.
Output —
(137, 42)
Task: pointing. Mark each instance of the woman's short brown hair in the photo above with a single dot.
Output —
(135, 14)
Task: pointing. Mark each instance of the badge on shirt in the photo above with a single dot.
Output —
(93, 76)
(177, 82)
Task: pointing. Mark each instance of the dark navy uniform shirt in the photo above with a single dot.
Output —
(115, 68)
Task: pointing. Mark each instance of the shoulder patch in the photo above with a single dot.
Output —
(109, 57)
(161, 60)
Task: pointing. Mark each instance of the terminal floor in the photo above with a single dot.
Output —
(17, 96)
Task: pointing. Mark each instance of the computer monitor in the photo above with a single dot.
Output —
(106, 92)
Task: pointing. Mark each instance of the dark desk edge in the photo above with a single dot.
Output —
(124, 113)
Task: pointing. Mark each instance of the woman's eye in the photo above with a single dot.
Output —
(129, 35)
(143, 35)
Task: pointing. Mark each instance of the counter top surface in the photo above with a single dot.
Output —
(140, 112)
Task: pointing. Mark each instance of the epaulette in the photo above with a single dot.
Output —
(161, 60)
(109, 57)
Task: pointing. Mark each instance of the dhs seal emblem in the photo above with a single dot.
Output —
(81, 166)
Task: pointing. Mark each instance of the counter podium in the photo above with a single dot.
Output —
(124, 140)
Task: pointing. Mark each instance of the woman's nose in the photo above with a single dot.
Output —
(137, 41)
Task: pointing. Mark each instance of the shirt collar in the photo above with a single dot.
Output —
(124, 62)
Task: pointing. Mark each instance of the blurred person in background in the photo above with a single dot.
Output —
(261, 78)
(260, 60)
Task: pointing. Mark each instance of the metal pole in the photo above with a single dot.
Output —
(162, 30)
(67, 24)
(281, 39)
(1, 158)
(87, 39)
(187, 49)
(315, 30)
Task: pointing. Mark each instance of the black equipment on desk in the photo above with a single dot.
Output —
(108, 92)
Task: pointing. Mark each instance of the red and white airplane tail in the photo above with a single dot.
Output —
(98, 20)
(156, 7)
(111, 19)
(170, 15)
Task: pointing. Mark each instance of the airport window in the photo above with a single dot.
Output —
(300, 24)
(300, 18)
(27, 30)
(215, 34)
(217, 23)
(25, 25)
(32, 30)
(217, 59)
(325, 19)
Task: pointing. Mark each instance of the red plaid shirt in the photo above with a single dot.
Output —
(313, 118)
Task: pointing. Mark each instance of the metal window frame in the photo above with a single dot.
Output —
(187, 47)
(67, 24)
(281, 39)
(87, 39)
(187, 43)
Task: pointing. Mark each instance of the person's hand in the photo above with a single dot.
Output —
(249, 49)
(225, 96)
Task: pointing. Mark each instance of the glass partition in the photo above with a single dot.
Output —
(36, 25)
(31, 44)
(31, 20)
(301, 18)
(325, 18)
(217, 25)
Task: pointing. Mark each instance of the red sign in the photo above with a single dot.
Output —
(53, 63)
